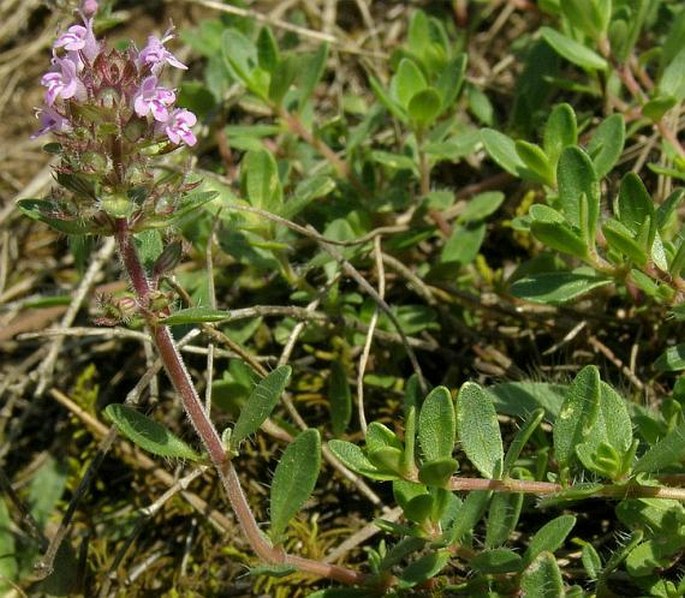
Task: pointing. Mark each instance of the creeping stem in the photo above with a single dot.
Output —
(180, 378)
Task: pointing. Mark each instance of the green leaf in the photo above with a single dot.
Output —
(561, 131)
(45, 211)
(451, 79)
(537, 164)
(573, 51)
(497, 561)
(478, 430)
(196, 315)
(468, 515)
(549, 537)
(311, 70)
(407, 82)
(480, 206)
(557, 287)
(463, 244)
(672, 82)
(424, 568)
(542, 578)
(438, 473)
(592, 562)
(425, 107)
(503, 517)
(624, 241)
(240, 55)
(523, 434)
(520, 399)
(354, 458)
(578, 415)
(590, 16)
(340, 398)
(379, 436)
(294, 479)
(390, 103)
(576, 176)
(671, 360)
(282, 79)
(45, 491)
(560, 236)
(261, 183)
(148, 434)
(260, 404)
(634, 204)
(667, 452)
(606, 145)
(189, 203)
(502, 149)
(267, 50)
(437, 425)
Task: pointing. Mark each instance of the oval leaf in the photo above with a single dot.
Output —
(294, 479)
(437, 425)
(573, 51)
(260, 404)
(196, 315)
(478, 430)
(148, 434)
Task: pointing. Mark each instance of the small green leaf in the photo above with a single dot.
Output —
(606, 145)
(538, 166)
(311, 69)
(497, 561)
(478, 430)
(592, 562)
(9, 567)
(656, 107)
(624, 241)
(672, 82)
(260, 404)
(438, 473)
(573, 51)
(148, 434)
(45, 211)
(463, 244)
(667, 452)
(424, 568)
(424, 107)
(634, 204)
(576, 176)
(671, 360)
(390, 103)
(437, 425)
(260, 180)
(561, 131)
(542, 578)
(282, 79)
(354, 458)
(240, 55)
(502, 149)
(267, 50)
(560, 236)
(578, 415)
(389, 459)
(294, 479)
(407, 82)
(523, 434)
(340, 398)
(590, 16)
(481, 206)
(503, 517)
(379, 436)
(451, 79)
(549, 537)
(557, 287)
(196, 315)
(468, 515)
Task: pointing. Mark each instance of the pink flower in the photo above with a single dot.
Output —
(51, 121)
(63, 82)
(155, 54)
(152, 99)
(89, 7)
(177, 128)
(78, 37)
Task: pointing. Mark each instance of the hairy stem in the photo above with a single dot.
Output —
(180, 378)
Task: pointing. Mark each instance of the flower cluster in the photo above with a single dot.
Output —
(111, 116)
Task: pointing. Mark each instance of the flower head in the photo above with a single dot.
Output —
(177, 127)
(153, 99)
(63, 81)
(155, 55)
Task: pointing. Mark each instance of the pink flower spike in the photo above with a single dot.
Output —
(177, 128)
(78, 37)
(151, 99)
(63, 83)
(51, 122)
(155, 54)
